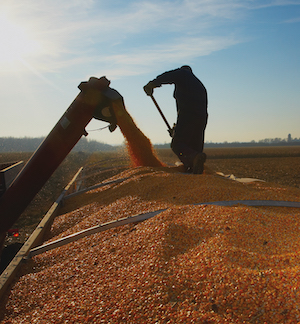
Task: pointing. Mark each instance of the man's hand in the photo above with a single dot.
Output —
(172, 130)
(148, 88)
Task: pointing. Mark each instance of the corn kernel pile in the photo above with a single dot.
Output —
(189, 264)
(139, 146)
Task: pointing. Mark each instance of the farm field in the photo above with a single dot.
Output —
(189, 264)
(280, 165)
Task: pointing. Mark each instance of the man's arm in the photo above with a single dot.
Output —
(168, 77)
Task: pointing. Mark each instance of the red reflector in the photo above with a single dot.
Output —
(13, 232)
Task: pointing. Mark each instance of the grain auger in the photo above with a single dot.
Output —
(94, 101)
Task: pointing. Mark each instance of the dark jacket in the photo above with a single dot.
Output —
(190, 93)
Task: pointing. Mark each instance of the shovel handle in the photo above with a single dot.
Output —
(161, 113)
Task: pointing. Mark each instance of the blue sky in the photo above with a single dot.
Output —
(245, 52)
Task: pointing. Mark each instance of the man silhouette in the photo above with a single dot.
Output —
(191, 103)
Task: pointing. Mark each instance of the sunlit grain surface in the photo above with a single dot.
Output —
(189, 264)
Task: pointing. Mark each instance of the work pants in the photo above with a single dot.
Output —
(188, 138)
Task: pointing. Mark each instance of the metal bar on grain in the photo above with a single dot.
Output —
(266, 203)
(102, 184)
(92, 230)
(142, 217)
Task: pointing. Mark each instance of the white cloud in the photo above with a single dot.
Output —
(126, 34)
(179, 50)
(292, 20)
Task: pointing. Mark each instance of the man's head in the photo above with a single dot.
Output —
(186, 67)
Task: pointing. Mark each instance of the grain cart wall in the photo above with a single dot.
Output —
(8, 172)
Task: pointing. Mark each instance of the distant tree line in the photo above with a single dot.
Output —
(277, 140)
(289, 141)
(28, 144)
